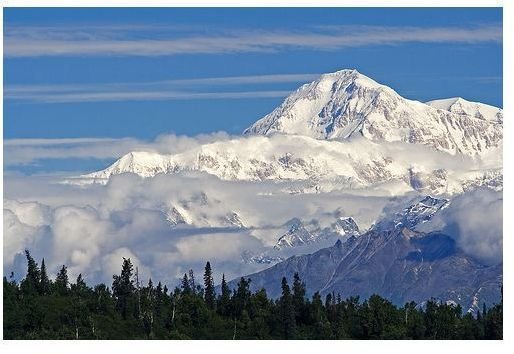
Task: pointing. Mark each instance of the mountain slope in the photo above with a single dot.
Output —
(401, 265)
(346, 103)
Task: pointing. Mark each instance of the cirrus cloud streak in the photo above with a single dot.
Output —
(63, 41)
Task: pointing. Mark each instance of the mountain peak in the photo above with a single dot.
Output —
(346, 103)
(335, 82)
(143, 163)
(329, 107)
(463, 107)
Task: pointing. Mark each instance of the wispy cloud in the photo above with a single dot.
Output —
(160, 41)
(179, 89)
(57, 141)
(146, 96)
(19, 152)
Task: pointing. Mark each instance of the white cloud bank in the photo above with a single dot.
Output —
(475, 221)
(90, 229)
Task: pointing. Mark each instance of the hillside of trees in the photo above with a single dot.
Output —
(39, 308)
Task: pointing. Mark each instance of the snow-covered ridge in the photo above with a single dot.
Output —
(460, 106)
(346, 103)
(340, 164)
(298, 234)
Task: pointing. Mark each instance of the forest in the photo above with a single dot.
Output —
(40, 308)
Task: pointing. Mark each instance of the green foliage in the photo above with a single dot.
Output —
(286, 312)
(44, 284)
(31, 284)
(61, 282)
(224, 299)
(36, 308)
(124, 291)
(208, 281)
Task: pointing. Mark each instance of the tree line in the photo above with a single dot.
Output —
(39, 308)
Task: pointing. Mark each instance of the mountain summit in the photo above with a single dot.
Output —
(346, 103)
(347, 131)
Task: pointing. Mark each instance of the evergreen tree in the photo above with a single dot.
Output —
(123, 288)
(224, 299)
(44, 285)
(192, 284)
(31, 284)
(81, 312)
(159, 301)
(318, 319)
(209, 294)
(415, 328)
(61, 282)
(298, 298)
(241, 297)
(186, 285)
(80, 287)
(431, 319)
(287, 314)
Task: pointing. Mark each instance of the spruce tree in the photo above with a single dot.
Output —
(287, 315)
(61, 282)
(192, 283)
(80, 287)
(31, 284)
(44, 285)
(123, 288)
(186, 285)
(224, 299)
(158, 300)
(318, 318)
(241, 297)
(298, 297)
(209, 294)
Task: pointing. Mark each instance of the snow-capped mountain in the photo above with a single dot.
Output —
(460, 106)
(346, 103)
(200, 210)
(413, 215)
(345, 131)
(298, 234)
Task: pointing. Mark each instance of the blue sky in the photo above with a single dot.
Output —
(139, 73)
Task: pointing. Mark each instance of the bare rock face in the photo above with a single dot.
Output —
(393, 260)
(400, 264)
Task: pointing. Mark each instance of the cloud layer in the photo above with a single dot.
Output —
(90, 229)
(475, 220)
